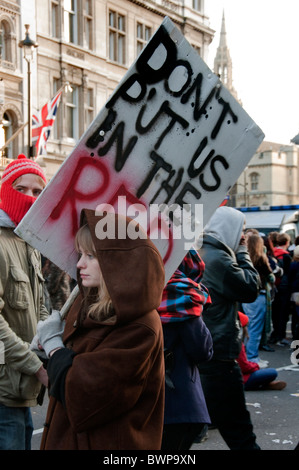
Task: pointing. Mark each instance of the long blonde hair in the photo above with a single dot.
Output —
(101, 307)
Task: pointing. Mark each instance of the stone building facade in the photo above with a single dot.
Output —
(89, 44)
(270, 179)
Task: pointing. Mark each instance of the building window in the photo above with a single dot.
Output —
(197, 49)
(143, 35)
(117, 37)
(72, 115)
(5, 43)
(71, 21)
(77, 22)
(55, 19)
(9, 125)
(89, 110)
(87, 23)
(254, 181)
(196, 4)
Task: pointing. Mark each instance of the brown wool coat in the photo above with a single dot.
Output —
(114, 390)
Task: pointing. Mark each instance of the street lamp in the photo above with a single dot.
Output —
(28, 47)
(245, 191)
(234, 193)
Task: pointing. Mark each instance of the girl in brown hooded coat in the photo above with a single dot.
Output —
(106, 375)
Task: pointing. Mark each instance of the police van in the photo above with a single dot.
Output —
(273, 219)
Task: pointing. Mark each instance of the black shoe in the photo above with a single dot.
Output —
(268, 348)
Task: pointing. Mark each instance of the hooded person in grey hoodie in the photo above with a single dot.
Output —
(231, 279)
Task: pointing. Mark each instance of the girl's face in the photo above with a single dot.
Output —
(89, 268)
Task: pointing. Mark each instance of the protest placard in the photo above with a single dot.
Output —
(171, 136)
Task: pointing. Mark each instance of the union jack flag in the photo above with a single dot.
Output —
(42, 123)
(225, 200)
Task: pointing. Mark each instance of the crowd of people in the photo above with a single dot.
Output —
(137, 363)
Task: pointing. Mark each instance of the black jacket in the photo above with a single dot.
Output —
(230, 278)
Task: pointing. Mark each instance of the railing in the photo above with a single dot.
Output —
(4, 161)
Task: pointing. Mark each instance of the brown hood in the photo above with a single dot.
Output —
(133, 270)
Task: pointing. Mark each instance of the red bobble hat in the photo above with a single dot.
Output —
(14, 203)
(244, 320)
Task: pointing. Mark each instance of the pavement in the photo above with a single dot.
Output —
(274, 413)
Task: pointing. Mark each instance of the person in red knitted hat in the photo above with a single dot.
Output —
(21, 306)
(22, 181)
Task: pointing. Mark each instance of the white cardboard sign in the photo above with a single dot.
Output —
(170, 134)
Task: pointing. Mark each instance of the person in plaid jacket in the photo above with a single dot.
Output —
(187, 342)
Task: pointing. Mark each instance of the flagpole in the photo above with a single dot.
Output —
(66, 87)
(43, 117)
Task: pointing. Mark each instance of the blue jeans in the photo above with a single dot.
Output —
(16, 428)
(256, 312)
(260, 378)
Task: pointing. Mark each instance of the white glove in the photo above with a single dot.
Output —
(50, 331)
(34, 343)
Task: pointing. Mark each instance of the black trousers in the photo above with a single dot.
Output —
(180, 436)
(224, 393)
(280, 315)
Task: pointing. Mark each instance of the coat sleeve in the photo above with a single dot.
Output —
(16, 353)
(107, 382)
(238, 279)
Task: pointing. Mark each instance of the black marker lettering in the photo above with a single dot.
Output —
(226, 109)
(163, 109)
(98, 135)
(199, 109)
(186, 78)
(166, 186)
(121, 155)
(133, 82)
(204, 185)
(153, 73)
(187, 188)
(159, 163)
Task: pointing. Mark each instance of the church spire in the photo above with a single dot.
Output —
(223, 62)
(223, 32)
